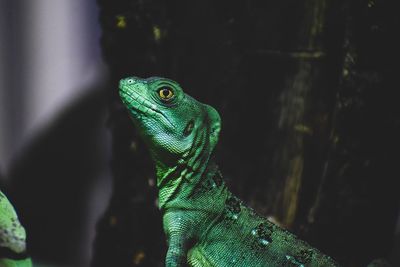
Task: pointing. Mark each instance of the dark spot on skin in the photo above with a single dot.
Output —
(305, 255)
(203, 188)
(232, 208)
(210, 182)
(233, 204)
(262, 235)
(264, 231)
(189, 128)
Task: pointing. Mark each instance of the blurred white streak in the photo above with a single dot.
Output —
(61, 65)
(59, 61)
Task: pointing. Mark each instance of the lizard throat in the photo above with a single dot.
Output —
(179, 181)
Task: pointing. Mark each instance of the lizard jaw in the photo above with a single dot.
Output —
(139, 104)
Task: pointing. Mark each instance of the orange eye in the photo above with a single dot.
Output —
(165, 93)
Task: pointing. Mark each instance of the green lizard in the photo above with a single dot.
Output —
(205, 224)
(12, 237)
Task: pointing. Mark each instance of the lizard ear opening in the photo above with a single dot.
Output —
(215, 125)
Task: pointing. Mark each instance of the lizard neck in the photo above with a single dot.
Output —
(177, 182)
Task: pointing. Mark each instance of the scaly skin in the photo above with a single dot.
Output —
(205, 224)
(12, 237)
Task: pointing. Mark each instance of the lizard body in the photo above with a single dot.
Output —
(12, 237)
(205, 224)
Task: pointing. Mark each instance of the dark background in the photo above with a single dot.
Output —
(306, 91)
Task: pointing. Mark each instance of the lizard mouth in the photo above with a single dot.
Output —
(138, 105)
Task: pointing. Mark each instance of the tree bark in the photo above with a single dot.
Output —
(357, 201)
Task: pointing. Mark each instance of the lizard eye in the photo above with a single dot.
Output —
(130, 81)
(165, 93)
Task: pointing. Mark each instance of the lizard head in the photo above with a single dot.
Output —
(172, 124)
